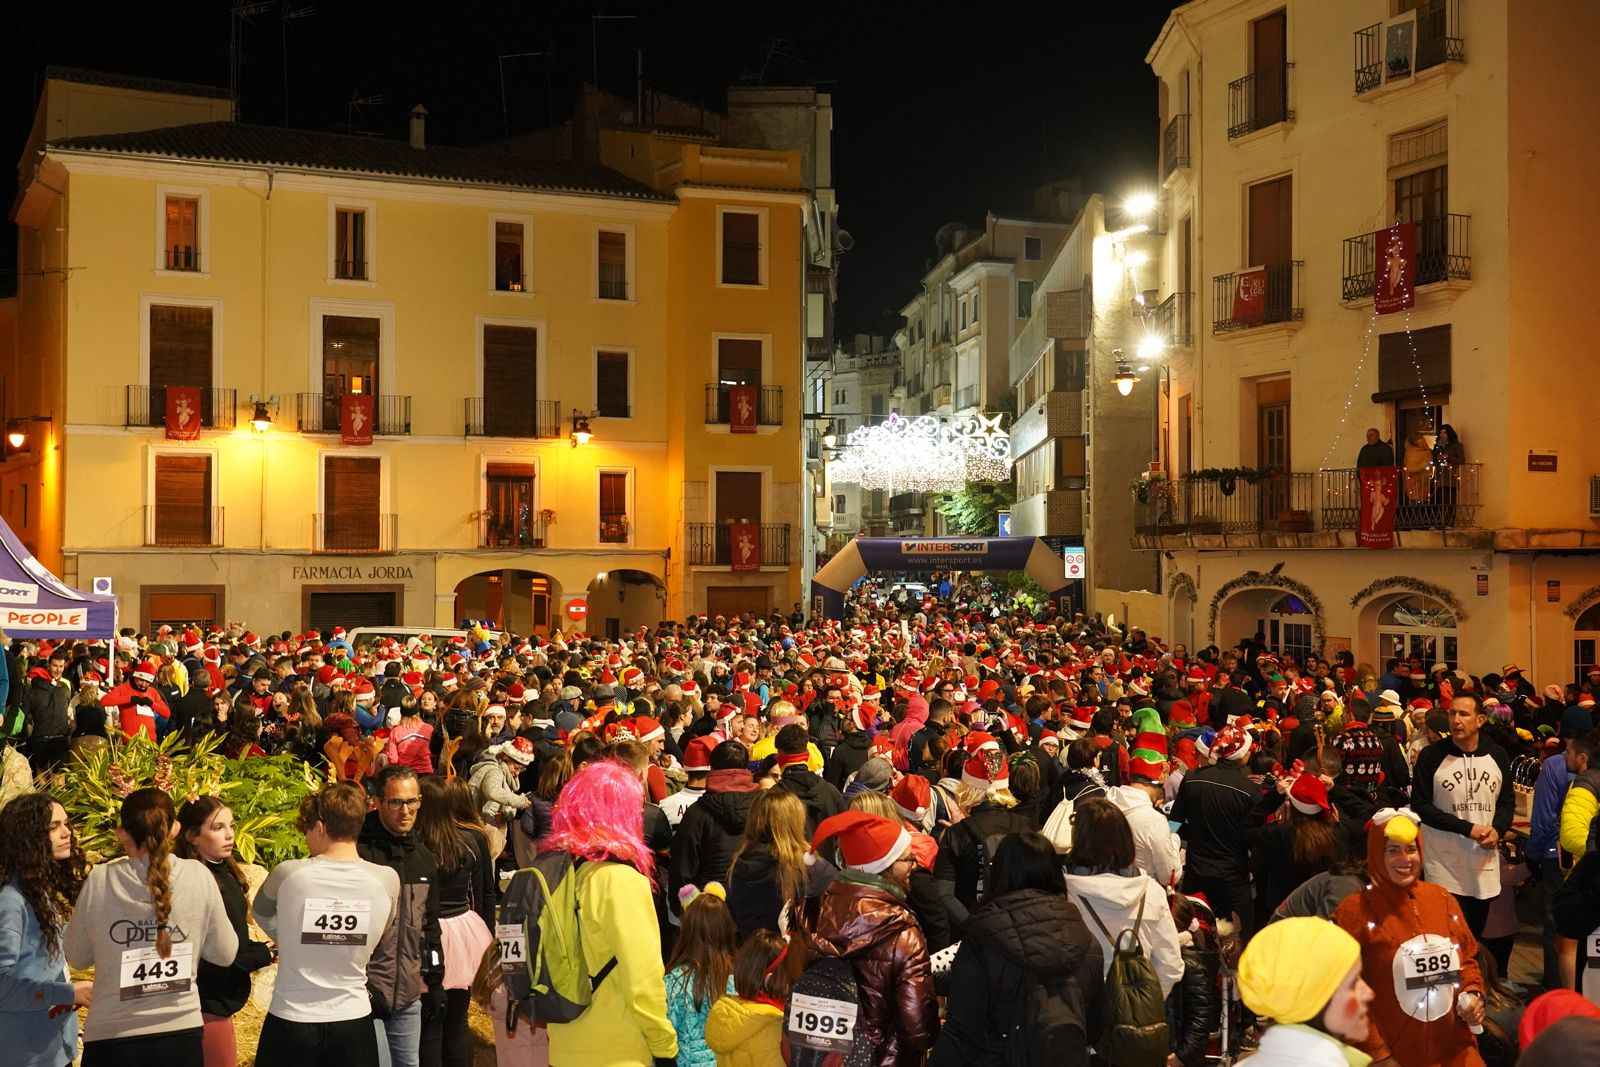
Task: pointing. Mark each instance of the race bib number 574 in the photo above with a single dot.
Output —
(327, 921)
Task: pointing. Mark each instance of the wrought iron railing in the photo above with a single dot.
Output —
(1438, 40)
(1444, 253)
(146, 405)
(1434, 498)
(769, 404)
(179, 524)
(354, 532)
(741, 263)
(183, 257)
(1246, 299)
(321, 413)
(514, 528)
(1174, 319)
(710, 544)
(500, 417)
(1175, 145)
(1259, 100)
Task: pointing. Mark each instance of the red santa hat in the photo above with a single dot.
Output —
(1231, 743)
(985, 771)
(697, 755)
(913, 796)
(145, 671)
(647, 729)
(1309, 795)
(361, 686)
(633, 678)
(864, 715)
(868, 843)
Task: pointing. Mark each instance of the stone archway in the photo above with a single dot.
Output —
(1184, 599)
(521, 601)
(623, 600)
(1249, 597)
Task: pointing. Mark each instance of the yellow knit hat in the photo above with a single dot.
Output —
(1290, 970)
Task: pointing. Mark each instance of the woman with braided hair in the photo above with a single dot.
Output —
(143, 922)
(41, 871)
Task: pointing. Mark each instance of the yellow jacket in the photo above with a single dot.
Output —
(626, 1025)
(745, 1033)
(1577, 812)
(768, 745)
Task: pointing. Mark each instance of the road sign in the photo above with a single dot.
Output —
(577, 610)
(1005, 522)
(1076, 560)
(102, 586)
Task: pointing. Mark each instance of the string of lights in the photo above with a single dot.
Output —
(924, 454)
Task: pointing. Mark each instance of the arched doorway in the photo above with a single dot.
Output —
(1417, 626)
(1585, 643)
(516, 600)
(1283, 620)
(621, 601)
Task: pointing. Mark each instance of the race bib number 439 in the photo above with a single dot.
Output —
(335, 922)
(821, 1023)
(145, 973)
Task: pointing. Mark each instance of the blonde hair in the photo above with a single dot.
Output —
(777, 822)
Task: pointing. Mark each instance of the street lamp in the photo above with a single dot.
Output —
(17, 432)
(1124, 379)
(1139, 205)
(581, 434)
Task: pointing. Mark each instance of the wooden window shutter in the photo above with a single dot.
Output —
(351, 489)
(613, 247)
(180, 346)
(510, 381)
(613, 493)
(183, 500)
(1402, 377)
(738, 361)
(611, 384)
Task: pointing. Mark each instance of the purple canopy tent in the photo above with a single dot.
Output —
(35, 603)
(923, 554)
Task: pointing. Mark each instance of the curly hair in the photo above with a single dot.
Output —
(27, 861)
(147, 818)
(600, 816)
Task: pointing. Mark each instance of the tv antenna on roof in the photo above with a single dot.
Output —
(242, 11)
(358, 102)
(287, 14)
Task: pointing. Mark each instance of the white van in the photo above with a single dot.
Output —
(364, 636)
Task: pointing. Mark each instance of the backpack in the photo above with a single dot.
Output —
(1045, 1029)
(822, 1018)
(541, 943)
(1132, 1009)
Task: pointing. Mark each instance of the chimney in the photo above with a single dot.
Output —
(419, 122)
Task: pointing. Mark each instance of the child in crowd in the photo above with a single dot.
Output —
(746, 1029)
(700, 970)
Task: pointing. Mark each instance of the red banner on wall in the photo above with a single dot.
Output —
(1395, 250)
(1250, 296)
(745, 546)
(1380, 495)
(741, 409)
(183, 413)
(355, 419)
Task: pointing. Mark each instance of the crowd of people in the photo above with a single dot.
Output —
(934, 832)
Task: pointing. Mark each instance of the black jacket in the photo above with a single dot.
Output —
(1228, 704)
(964, 855)
(821, 799)
(708, 836)
(224, 990)
(186, 709)
(47, 704)
(409, 958)
(1214, 809)
(846, 759)
(1194, 1007)
(1011, 942)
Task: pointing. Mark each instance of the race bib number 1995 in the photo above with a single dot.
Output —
(336, 922)
(821, 1023)
(145, 974)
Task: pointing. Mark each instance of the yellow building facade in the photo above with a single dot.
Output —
(487, 310)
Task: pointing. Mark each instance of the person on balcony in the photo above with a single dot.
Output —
(1448, 458)
(1376, 452)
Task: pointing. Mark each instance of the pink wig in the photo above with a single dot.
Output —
(600, 816)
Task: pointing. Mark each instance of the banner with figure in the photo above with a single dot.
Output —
(1380, 493)
(355, 419)
(1395, 250)
(741, 409)
(744, 546)
(183, 413)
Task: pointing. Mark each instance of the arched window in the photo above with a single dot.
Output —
(1288, 627)
(1417, 626)
(1585, 643)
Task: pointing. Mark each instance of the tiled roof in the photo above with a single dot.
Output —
(130, 81)
(232, 142)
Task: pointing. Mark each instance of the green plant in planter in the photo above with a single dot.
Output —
(264, 793)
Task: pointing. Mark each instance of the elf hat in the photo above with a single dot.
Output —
(868, 843)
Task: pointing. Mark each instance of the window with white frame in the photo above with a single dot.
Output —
(181, 247)
(741, 248)
(510, 256)
(611, 258)
(350, 244)
(615, 490)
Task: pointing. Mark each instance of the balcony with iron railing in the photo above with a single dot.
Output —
(1443, 254)
(614, 527)
(769, 404)
(741, 263)
(1177, 512)
(1173, 319)
(710, 544)
(516, 527)
(1438, 41)
(500, 417)
(146, 405)
(178, 524)
(1245, 300)
(350, 270)
(320, 413)
(354, 532)
(1174, 145)
(1259, 100)
(183, 257)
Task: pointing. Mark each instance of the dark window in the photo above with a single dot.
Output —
(350, 243)
(350, 497)
(738, 363)
(741, 248)
(349, 362)
(611, 384)
(509, 274)
(612, 250)
(182, 500)
(1413, 365)
(183, 233)
(614, 507)
(328, 610)
(1032, 248)
(180, 354)
(510, 376)
(1024, 299)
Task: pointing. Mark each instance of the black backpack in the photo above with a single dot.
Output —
(1132, 1009)
(823, 1016)
(541, 943)
(1045, 1029)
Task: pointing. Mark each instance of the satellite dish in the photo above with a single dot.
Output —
(843, 242)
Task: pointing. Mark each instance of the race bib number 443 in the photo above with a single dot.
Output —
(145, 973)
(327, 921)
(821, 1023)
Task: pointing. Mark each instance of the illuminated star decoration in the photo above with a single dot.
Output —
(925, 454)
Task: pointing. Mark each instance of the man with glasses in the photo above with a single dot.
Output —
(415, 984)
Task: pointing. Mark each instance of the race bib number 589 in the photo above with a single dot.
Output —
(327, 921)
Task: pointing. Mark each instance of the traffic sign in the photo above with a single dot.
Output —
(102, 586)
(1076, 560)
(577, 610)
(1004, 516)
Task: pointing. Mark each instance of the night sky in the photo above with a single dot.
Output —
(936, 118)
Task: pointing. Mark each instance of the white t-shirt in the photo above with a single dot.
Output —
(326, 917)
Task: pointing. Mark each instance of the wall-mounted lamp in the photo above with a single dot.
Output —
(261, 412)
(581, 434)
(17, 433)
(1124, 379)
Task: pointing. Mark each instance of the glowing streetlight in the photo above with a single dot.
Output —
(1138, 205)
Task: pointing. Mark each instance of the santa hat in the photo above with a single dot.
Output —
(985, 770)
(495, 709)
(688, 687)
(1309, 795)
(633, 678)
(192, 642)
(882, 747)
(1231, 743)
(145, 671)
(697, 755)
(867, 843)
(914, 797)
(518, 749)
(864, 715)
(647, 729)
(1078, 724)
(362, 688)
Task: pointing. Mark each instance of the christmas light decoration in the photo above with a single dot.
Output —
(924, 454)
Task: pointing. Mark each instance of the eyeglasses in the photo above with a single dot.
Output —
(401, 804)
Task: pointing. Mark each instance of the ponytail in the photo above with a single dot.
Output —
(147, 818)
